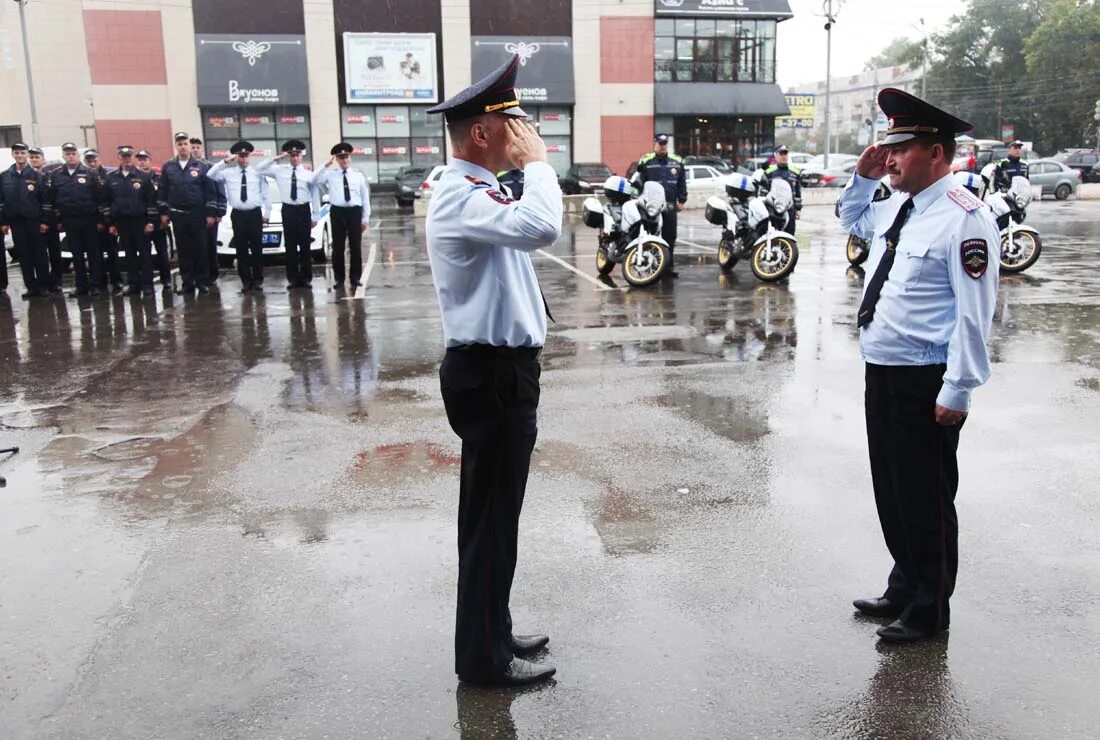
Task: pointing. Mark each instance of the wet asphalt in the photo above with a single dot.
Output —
(233, 516)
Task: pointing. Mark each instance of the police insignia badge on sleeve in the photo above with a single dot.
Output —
(499, 197)
(975, 257)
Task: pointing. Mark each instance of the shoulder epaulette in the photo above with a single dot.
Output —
(771, 168)
(646, 157)
(676, 157)
(964, 199)
(477, 181)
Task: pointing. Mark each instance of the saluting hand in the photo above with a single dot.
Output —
(148, 228)
(872, 163)
(7, 230)
(946, 417)
(164, 221)
(524, 143)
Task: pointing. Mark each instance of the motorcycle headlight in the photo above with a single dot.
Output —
(652, 209)
(1021, 201)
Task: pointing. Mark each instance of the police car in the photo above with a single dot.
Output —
(273, 233)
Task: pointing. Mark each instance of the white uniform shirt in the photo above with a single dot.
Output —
(332, 180)
(478, 244)
(282, 174)
(231, 174)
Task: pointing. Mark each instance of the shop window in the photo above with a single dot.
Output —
(389, 137)
(706, 50)
(267, 128)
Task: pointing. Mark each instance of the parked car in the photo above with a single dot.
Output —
(800, 159)
(704, 180)
(321, 236)
(717, 163)
(1054, 177)
(584, 178)
(756, 163)
(1086, 161)
(408, 181)
(813, 172)
(838, 177)
(432, 180)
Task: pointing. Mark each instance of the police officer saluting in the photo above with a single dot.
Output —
(159, 236)
(50, 234)
(22, 215)
(78, 200)
(667, 169)
(494, 326)
(133, 215)
(1011, 167)
(349, 198)
(191, 201)
(247, 193)
(299, 211)
(924, 319)
(783, 171)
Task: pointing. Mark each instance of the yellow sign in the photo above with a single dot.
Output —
(802, 112)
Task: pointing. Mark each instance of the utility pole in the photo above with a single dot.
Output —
(27, 64)
(1096, 117)
(830, 19)
(924, 62)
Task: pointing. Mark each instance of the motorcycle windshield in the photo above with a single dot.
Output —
(1020, 192)
(780, 197)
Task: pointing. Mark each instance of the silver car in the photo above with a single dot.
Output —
(1054, 177)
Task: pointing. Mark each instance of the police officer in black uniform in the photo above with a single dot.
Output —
(21, 214)
(667, 169)
(108, 242)
(159, 236)
(198, 151)
(1010, 167)
(133, 213)
(782, 170)
(513, 180)
(78, 199)
(191, 200)
(50, 233)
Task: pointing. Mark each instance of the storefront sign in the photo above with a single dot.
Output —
(391, 119)
(292, 119)
(556, 148)
(392, 150)
(257, 120)
(389, 67)
(357, 119)
(726, 8)
(546, 65)
(221, 121)
(802, 112)
(364, 151)
(251, 70)
(427, 150)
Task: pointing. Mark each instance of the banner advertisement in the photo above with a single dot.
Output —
(390, 68)
(802, 112)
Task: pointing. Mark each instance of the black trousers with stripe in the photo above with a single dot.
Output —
(916, 476)
(347, 230)
(492, 400)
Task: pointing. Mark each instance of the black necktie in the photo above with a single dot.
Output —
(294, 185)
(244, 186)
(870, 298)
(347, 190)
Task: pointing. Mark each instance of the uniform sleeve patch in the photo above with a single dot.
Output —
(499, 197)
(975, 257)
(964, 199)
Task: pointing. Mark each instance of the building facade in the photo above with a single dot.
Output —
(600, 78)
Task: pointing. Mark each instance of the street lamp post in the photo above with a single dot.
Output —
(830, 19)
(924, 61)
(27, 64)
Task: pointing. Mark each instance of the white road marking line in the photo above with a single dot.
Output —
(705, 248)
(571, 268)
(360, 291)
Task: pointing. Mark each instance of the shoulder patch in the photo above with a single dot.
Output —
(499, 197)
(975, 257)
(964, 199)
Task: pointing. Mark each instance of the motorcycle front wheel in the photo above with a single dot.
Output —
(857, 250)
(775, 262)
(604, 265)
(1022, 253)
(727, 254)
(645, 264)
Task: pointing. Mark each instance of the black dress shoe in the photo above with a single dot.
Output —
(520, 672)
(116, 289)
(78, 293)
(245, 289)
(880, 607)
(56, 289)
(132, 290)
(95, 292)
(899, 632)
(203, 290)
(524, 645)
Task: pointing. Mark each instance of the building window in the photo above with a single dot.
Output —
(389, 137)
(10, 135)
(707, 50)
(556, 128)
(267, 128)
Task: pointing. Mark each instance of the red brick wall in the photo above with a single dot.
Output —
(626, 49)
(153, 135)
(125, 47)
(624, 139)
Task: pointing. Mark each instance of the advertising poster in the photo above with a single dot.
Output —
(390, 68)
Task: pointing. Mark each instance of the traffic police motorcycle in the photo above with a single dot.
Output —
(858, 248)
(752, 226)
(630, 231)
(1020, 243)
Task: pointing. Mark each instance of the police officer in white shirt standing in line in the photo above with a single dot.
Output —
(247, 193)
(349, 214)
(494, 326)
(299, 210)
(924, 323)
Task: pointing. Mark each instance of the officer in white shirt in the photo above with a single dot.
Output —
(494, 326)
(247, 193)
(349, 214)
(299, 210)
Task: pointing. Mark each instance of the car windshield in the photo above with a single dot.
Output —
(414, 172)
(835, 160)
(593, 171)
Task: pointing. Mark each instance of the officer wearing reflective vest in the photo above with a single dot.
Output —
(782, 170)
(1010, 167)
(661, 166)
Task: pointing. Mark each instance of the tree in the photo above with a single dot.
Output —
(901, 52)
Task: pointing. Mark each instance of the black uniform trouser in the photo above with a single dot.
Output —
(163, 263)
(916, 475)
(30, 248)
(53, 249)
(212, 271)
(108, 245)
(83, 238)
(668, 230)
(248, 234)
(791, 221)
(3, 263)
(492, 398)
(189, 228)
(347, 229)
(296, 241)
(139, 258)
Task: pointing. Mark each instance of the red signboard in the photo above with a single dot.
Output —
(556, 148)
(363, 150)
(391, 119)
(551, 116)
(219, 153)
(394, 150)
(292, 119)
(427, 150)
(257, 120)
(358, 119)
(221, 121)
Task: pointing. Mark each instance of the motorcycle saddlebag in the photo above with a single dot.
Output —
(592, 213)
(716, 212)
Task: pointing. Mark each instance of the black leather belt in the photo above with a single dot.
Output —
(530, 353)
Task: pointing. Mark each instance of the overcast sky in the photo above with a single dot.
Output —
(862, 29)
